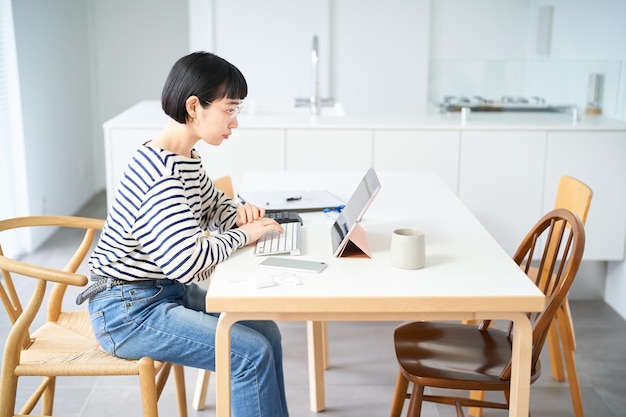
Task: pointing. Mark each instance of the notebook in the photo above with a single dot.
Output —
(347, 237)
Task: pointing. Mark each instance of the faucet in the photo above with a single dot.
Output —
(314, 102)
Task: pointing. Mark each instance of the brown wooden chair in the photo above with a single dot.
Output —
(459, 356)
(65, 344)
(574, 195)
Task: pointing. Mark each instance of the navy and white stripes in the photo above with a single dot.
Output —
(155, 228)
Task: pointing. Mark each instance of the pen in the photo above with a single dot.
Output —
(288, 199)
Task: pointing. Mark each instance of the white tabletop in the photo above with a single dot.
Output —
(464, 264)
(467, 275)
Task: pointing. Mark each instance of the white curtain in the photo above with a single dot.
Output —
(12, 163)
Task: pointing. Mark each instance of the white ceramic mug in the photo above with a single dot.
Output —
(408, 249)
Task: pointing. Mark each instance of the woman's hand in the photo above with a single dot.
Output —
(259, 227)
(248, 213)
(250, 219)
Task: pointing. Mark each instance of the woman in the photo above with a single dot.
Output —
(154, 248)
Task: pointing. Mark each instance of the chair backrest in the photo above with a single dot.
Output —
(575, 196)
(225, 184)
(22, 317)
(559, 240)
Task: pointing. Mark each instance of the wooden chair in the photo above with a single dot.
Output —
(575, 196)
(65, 344)
(224, 184)
(459, 356)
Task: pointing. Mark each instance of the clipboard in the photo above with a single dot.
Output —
(294, 200)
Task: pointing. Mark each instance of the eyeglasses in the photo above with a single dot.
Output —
(232, 113)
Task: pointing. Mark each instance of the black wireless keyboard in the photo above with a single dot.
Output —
(284, 216)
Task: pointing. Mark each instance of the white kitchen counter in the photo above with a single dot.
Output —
(148, 114)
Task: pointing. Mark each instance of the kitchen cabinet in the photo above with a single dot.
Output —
(120, 143)
(244, 150)
(419, 150)
(501, 181)
(599, 160)
(329, 149)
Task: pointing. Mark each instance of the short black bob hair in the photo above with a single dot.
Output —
(204, 75)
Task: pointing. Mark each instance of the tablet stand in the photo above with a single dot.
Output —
(357, 245)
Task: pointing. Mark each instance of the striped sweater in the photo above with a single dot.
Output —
(155, 227)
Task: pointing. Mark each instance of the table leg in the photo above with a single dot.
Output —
(315, 338)
(520, 366)
(222, 365)
(325, 342)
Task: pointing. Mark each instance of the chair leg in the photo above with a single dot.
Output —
(8, 395)
(564, 316)
(399, 395)
(415, 403)
(459, 410)
(476, 411)
(572, 373)
(181, 394)
(202, 385)
(47, 399)
(554, 347)
(148, 385)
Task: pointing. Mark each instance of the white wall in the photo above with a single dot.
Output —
(380, 52)
(364, 59)
(134, 45)
(52, 46)
(594, 31)
(414, 52)
(488, 48)
(270, 42)
(80, 63)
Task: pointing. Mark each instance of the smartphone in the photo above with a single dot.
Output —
(297, 265)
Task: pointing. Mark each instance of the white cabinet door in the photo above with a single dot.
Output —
(501, 181)
(419, 150)
(119, 146)
(329, 149)
(599, 160)
(245, 150)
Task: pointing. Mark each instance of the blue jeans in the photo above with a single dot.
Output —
(167, 321)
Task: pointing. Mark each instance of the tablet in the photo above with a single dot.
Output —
(345, 229)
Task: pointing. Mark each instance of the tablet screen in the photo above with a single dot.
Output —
(354, 210)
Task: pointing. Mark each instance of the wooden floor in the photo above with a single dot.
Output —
(362, 369)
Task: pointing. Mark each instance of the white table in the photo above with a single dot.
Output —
(467, 275)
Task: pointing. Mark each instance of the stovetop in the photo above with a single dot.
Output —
(505, 103)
